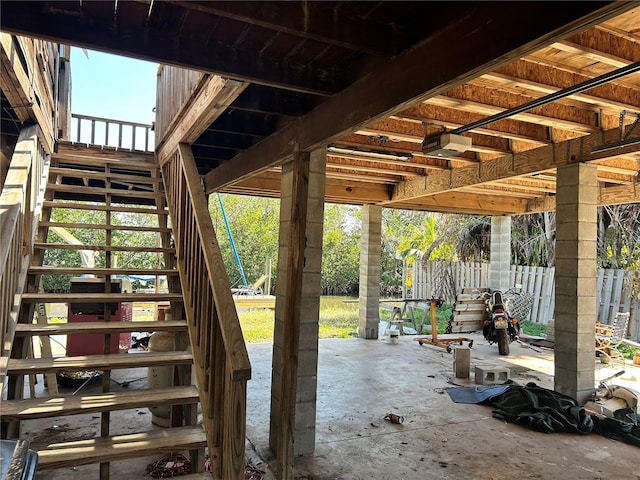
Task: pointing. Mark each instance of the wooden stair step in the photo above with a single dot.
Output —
(100, 297)
(119, 447)
(97, 226)
(82, 171)
(103, 402)
(96, 362)
(81, 189)
(197, 476)
(101, 248)
(73, 328)
(103, 208)
(45, 270)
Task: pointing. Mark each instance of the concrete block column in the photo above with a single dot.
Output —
(500, 255)
(575, 276)
(370, 247)
(305, 410)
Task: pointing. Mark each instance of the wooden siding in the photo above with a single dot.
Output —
(175, 87)
(36, 82)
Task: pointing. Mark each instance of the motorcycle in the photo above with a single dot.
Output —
(499, 327)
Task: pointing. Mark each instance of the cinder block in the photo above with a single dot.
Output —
(461, 361)
(489, 375)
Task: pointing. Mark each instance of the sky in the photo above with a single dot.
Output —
(113, 87)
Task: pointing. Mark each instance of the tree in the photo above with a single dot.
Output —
(341, 249)
(253, 222)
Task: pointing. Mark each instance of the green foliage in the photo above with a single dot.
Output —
(627, 351)
(254, 226)
(341, 249)
(534, 329)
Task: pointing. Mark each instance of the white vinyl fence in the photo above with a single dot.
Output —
(443, 279)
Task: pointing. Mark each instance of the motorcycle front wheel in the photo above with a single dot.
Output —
(503, 341)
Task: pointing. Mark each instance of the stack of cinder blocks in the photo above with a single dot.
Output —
(484, 374)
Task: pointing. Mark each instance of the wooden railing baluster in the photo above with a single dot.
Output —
(220, 356)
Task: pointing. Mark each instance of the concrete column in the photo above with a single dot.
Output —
(576, 237)
(500, 255)
(305, 412)
(370, 246)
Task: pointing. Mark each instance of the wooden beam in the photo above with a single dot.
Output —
(595, 55)
(521, 75)
(212, 99)
(523, 163)
(450, 118)
(458, 59)
(549, 119)
(291, 322)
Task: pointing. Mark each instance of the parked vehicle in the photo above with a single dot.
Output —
(499, 327)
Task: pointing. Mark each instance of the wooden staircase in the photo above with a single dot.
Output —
(118, 187)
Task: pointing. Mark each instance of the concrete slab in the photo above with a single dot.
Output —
(359, 381)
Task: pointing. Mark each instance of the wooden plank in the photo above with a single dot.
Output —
(46, 270)
(599, 284)
(45, 345)
(133, 194)
(606, 301)
(297, 219)
(73, 328)
(104, 402)
(537, 287)
(94, 226)
(101, 248)
(103, 208)
(469, 297)
(81, 172)
(118, 447)
(100, 297)
(469, 307)
(96, 156)
(469, 317)
(96, 362)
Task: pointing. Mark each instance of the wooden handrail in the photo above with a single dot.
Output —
(20, 204)
(100, 131)
(220, 356)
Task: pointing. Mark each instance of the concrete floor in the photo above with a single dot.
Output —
(359, 381)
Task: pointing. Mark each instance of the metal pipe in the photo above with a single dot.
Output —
(538, 102)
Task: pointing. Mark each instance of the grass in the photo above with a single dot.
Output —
(338, 319)
(532, 328)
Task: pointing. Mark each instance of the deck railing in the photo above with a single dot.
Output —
(107, 132)
(219, 351)
(20, 207)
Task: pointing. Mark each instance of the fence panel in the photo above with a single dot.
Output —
(613, 288)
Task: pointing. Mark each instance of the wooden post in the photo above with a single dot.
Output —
(290, 345)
